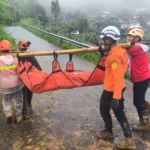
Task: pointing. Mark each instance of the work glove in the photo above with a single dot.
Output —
(115, 104)
(101, 51)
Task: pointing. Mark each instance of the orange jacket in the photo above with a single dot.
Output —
(115, 67)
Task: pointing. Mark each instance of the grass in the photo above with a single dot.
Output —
(5, 36)
(90, 56)
(32, 22)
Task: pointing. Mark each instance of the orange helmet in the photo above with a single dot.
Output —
(5, 45)
(24, 44)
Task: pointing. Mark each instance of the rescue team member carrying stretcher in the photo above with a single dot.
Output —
(23, 45)
(140, 75)
(114, 85)
(10, 83)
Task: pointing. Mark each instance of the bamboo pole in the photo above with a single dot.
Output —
(60, 52)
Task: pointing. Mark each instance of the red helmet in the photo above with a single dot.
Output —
(24, 44)
(5, 45)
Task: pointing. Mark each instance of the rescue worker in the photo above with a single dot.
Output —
(114, 85)
(145, 49)
(11, 84)
(27, 94)
(140, 76)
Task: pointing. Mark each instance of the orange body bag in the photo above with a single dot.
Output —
(39, 82)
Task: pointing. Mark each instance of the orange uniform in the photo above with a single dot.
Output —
(115, 67)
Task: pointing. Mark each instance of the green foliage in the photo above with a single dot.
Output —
(51, 39)
(2, 11)
(127, 76)
(55, 11)
(82, 25)
(67, 28)
(32, 22)
(147, 36)
(14, 10)
(34, 10)
(6, 36)
(5, 15)
(93, 57)
(12, 15)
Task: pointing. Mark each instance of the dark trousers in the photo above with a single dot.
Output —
(27, 97)
(105, 105)
(139, 90)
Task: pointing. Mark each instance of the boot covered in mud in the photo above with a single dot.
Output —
(147, 106)
(10, 118)
(127, 144)
(30, 109)
(18, 118)
(104, 134)
(144, 122)
(26, 113)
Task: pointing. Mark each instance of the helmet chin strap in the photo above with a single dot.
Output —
(23, 49)
(108, 46)
(133, 42)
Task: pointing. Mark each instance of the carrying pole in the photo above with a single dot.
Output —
(61, 52)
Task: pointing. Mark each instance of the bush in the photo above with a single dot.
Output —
(6, 36)
(32, 22)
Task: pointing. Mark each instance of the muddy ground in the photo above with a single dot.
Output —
(65, 119)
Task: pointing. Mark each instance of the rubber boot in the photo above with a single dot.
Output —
(9, 118)
(144, 122)
(104, 134)
(18, 118)
(127, 144)
(30, 109)
(147, 106)
(29, 100)
(26, 113)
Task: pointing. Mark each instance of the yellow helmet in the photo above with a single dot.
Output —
(134, 27)
(137, 32)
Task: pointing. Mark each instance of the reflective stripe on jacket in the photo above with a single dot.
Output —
(8, 67)
(8, 72)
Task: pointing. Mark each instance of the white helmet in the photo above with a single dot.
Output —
(112, 32)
